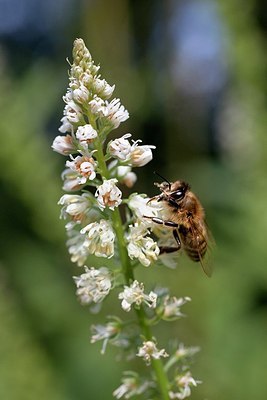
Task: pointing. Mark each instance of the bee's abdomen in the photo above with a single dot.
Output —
(196, 253)
(195, 247)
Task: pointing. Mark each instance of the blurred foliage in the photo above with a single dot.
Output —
(44, 334)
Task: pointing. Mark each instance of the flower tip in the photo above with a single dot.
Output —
(80, 51)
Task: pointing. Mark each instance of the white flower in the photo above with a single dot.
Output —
(77, 246)
(141, 246)
(84, 166)
(184, 383)
(86, 134)
(149, 350)
(120, 148)
(66, 126)
(80, 52)
(108, 194)
(71, 180)
(73, 112)
(172, 307)
(183, 351)
(114, 112)
(134, 294)
(100, 238)
(94, 285)
(86, 78)
(126, 176)
(81, 94)
(96, 105)
(64, 145)
(102, 88)
(68, 98)
(74, 205)
(140, 206)
(140, 155)
(131, 386)
(105, 333)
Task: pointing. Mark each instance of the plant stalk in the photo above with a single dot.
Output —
(162, 380)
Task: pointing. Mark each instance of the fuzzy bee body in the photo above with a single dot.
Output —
(195, 247)
(185, 214)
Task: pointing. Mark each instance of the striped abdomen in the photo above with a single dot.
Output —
(194, 243)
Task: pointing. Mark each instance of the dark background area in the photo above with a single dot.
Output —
(193, 76)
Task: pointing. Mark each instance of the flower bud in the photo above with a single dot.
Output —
(81, 94)
(64, 145)
(86, 134)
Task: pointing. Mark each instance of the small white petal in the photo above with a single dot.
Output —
(64, 145)
(94, 285)
(120, 148)
(108, 194)
(149, 350)
(100, 238)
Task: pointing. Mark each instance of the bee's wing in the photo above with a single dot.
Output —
(206, 261)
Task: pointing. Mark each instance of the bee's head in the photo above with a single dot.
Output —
(178, 190)
(175, 191)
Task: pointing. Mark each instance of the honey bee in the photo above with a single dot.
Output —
(184, 213)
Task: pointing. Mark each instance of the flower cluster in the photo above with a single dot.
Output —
(149, 350)
(184, 383)
(97, 169)
(134, 294)
(88, 118)
(94, 285)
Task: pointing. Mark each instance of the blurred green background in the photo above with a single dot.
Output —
(193, 76)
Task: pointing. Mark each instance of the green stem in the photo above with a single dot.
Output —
(157, 365)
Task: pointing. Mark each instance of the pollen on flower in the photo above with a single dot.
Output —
(140, 155)
(74, 206)
(108, 194)
(85, 168)
(64, 145)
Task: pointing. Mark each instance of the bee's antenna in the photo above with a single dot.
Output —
(162, 177)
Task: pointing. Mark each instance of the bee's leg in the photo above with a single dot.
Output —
(176, 237)
(162, 222)
(158, 198)
(168, 249)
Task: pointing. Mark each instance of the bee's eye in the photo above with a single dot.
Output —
(178, 195)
